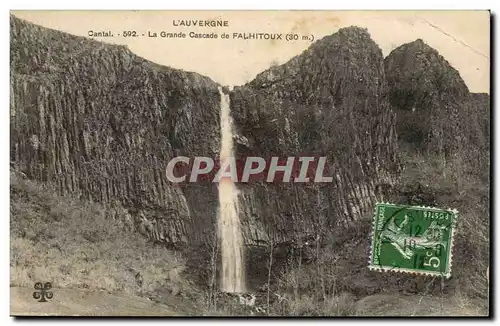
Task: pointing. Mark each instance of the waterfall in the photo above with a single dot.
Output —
(229, 231)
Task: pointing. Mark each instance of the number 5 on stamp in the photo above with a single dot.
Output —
(412, 239)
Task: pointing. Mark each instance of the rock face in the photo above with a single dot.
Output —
(329, 101)
(427, 94)
(479, 124)
(102, 123)
(436, 113)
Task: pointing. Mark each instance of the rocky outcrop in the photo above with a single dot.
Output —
(427, 94)
(436, 113)
(329, 101)
(102, 123)
(479, 127)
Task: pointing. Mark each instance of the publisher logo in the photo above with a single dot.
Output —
(43, 293)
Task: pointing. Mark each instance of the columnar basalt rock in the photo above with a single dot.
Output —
(428, 95)
(329, 101)
(102, 123)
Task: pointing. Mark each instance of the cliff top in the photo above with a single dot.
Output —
(51, 51)
(418, 65)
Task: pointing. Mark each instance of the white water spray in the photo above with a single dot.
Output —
(229, 231)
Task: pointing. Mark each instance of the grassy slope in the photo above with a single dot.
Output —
(75, 245)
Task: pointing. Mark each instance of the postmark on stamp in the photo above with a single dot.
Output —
(412, 239)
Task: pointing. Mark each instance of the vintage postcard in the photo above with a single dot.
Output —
(249, 163)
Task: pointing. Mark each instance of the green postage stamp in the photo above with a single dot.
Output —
(412, 239)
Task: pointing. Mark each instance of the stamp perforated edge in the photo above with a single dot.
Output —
(393, 269)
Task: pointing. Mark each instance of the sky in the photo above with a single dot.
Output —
(461, 37)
